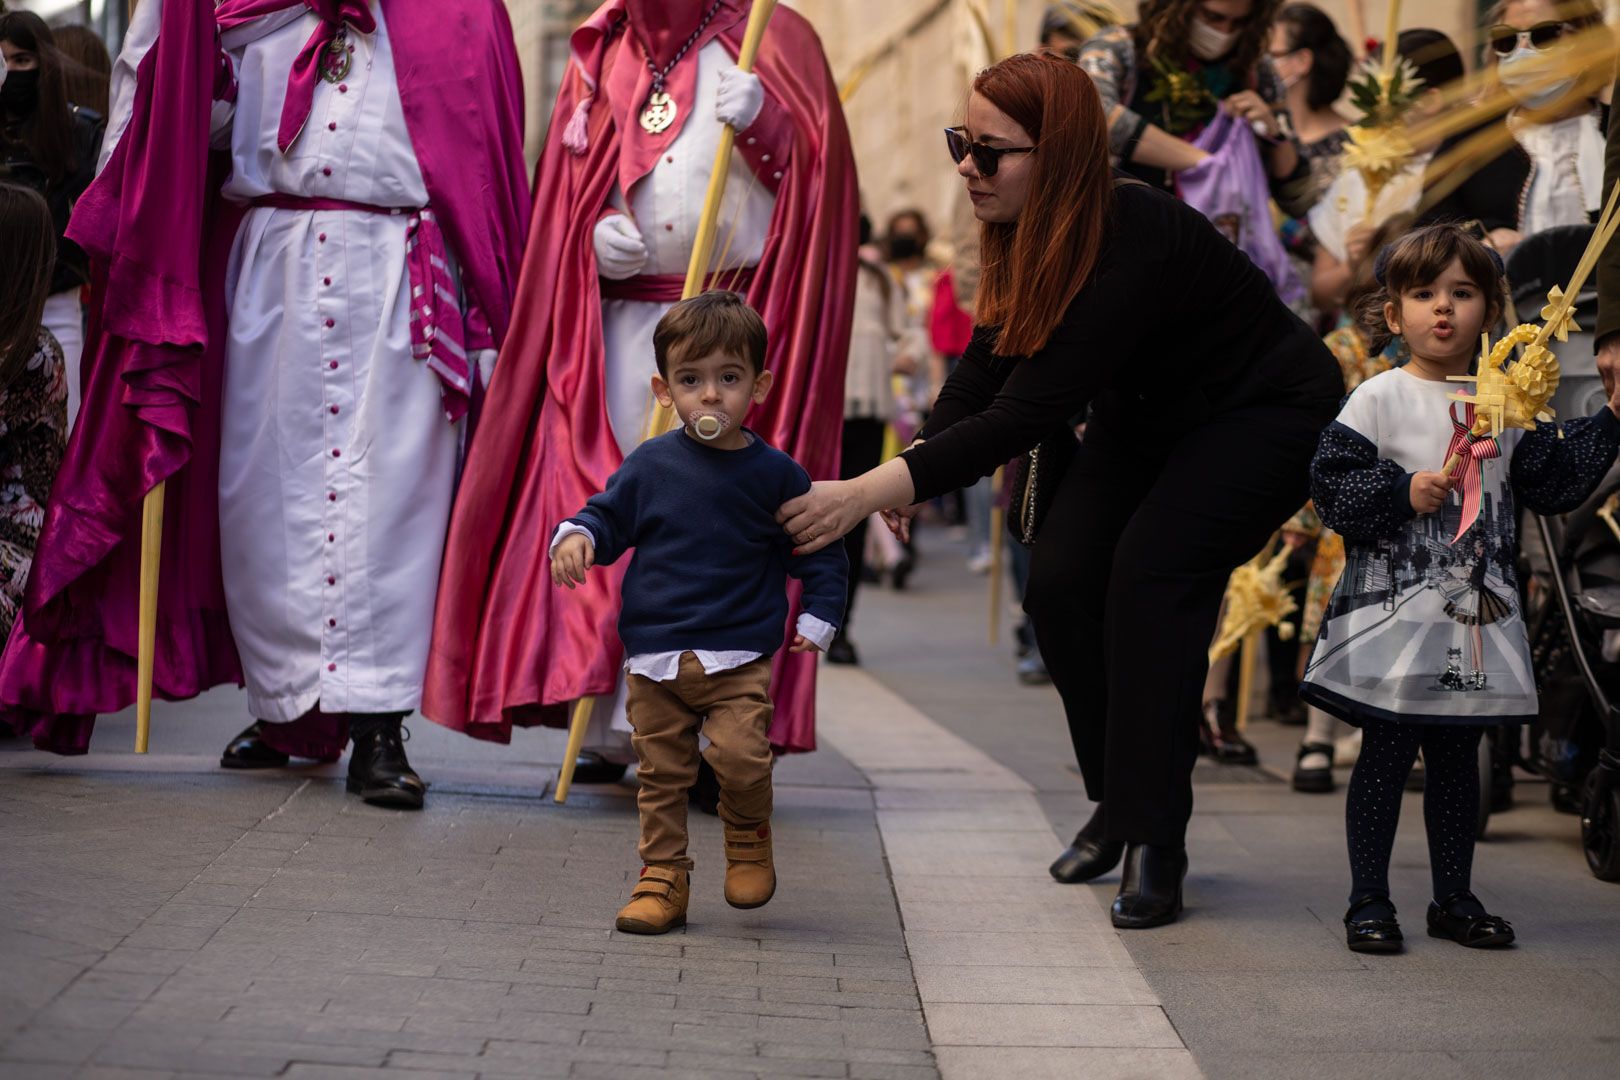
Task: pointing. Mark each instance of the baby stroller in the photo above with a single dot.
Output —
(1573, 594)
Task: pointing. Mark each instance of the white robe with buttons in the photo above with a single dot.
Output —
(337, 462)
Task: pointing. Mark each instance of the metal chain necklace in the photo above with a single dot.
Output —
(660, 110)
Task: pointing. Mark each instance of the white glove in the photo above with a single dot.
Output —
(741, 97)
(620, 250)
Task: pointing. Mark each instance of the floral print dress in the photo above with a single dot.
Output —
(33, 437)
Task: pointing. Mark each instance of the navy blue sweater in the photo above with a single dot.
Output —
(711, 562)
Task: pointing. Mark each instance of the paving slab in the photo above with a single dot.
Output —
(1255, 978)
(165, 918)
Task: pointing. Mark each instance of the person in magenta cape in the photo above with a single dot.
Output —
(290, 334)
(621, 183)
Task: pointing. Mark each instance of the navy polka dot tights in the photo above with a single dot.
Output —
(1372, 809)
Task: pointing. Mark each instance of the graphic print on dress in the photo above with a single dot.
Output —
(1421, 620)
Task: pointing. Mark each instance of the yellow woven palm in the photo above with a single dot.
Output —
(1256, 598)
(1514, 395)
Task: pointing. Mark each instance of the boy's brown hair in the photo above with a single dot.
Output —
(710, 322)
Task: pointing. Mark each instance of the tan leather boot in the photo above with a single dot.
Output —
(657, 903)
(750, 874)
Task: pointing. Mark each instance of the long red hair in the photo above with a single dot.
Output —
(1032, 267)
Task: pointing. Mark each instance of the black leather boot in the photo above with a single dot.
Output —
(378, 770)
(1090, 856)
(592, 768)
(248, 750)
(1150, 887)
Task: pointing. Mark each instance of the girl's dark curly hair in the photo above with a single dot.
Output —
(1162, 27)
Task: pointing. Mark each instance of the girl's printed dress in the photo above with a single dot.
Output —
(33, 436)
(1425, 625)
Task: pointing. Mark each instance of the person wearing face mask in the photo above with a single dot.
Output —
(1313, 62)
(1342, 223)
(293, 349)
(1558, 121)
(50, 145)
(1163, 80)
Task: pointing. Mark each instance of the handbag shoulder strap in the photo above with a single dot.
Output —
(1123, 181)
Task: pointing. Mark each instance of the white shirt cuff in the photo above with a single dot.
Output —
(567, 529)
(813, 629)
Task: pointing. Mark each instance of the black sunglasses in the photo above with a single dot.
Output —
(1505, 39)
(986, 159)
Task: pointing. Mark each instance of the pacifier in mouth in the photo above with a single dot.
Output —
(710, 426)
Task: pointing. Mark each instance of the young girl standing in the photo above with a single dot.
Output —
(1424, 642)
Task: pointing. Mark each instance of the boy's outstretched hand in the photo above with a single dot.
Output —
(572, 558)
(803, 644)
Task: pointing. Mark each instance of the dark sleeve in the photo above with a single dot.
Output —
(1608, 267)
(1295, 193)
(611, 515)
(972, 385)
(1358, 494)
(1553, 475)
(825, 573)
(1041, 392)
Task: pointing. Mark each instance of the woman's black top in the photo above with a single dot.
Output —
(17, 166)
(1175, 325)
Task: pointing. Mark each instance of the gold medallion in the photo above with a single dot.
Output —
(335, 62)
(659, 113)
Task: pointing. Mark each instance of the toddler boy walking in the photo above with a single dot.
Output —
(704, 600)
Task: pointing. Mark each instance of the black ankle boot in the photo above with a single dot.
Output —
(378, 770)
(1090, 856)
(1150, 887)
(248, 750)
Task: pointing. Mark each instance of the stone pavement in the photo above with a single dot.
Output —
(1255, 978)
(179, 921)
(160, 918)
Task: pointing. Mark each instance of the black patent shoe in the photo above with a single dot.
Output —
(1086, 859)
(1150, 887)
(841, 651)
(704, 794)
(1474, 931)
(1372, 935)
(592, 768)
(1220, 736)
(248, 750)
(1314, 780)
(379, 772)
